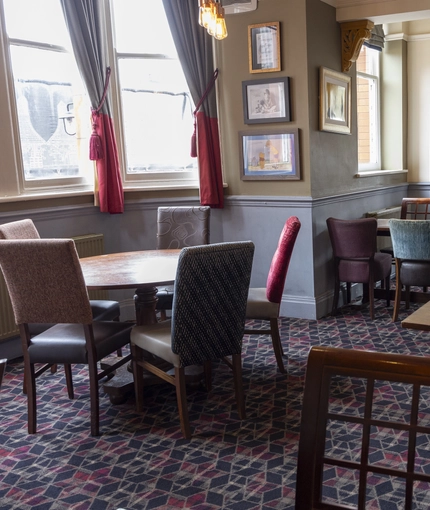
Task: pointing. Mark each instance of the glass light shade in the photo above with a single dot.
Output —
(205, 13)
(220, 26)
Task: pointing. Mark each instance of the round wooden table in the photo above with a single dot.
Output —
(142, 271)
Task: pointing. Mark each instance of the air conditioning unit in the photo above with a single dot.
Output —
(238, 6)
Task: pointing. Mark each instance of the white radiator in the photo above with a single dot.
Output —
(86, 245)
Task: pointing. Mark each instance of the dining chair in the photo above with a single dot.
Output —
(102, 309)
(179, 227)
(411, 248)
(265, 303)
(347, 408)
(356, 259)
(411, 209)
(208, 321)
(46, 285)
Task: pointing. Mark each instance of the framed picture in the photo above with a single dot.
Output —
(264, 47)
(266, 100)
(271, 155)
(335, 101)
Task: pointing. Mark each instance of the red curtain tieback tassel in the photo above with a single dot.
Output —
(96, 148)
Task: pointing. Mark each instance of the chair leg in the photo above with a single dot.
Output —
(371, 294)
(348, 292)
(336, 295)
(238, 385)
(387, 290)
(181, 396)
(277, 345)
(69, 380)
(54, 368)
(398, 292)
(94, 398)
(30, 378)
(407, 296)
(137, 356)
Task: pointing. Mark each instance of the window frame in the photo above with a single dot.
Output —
(136, 182)
(376, 96)
(12, 181)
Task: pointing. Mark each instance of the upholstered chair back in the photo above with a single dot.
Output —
(353, 238)
(281, 260)
(178, 227)
(22, 229)
(411, 239)
(45, 281)
(209, 303)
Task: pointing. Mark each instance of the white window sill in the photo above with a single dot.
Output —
(374, 173)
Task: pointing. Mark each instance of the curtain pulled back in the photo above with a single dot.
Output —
(195, 51)
(83, 21)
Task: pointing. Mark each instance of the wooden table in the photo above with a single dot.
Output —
(383, 228)
(139, 270)
(420, 319)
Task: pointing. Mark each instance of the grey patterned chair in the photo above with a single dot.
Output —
(411, 249)
(208, 321)
(179, 227)
(46, 285)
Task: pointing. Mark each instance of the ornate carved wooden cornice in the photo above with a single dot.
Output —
(354, 33)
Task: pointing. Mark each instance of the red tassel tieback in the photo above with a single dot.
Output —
(193, 152)
(96, 148)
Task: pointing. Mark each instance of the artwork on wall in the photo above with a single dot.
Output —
(266, 100)
(335, 101)
(269, 155)
(264, 47)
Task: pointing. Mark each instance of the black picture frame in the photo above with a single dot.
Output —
(266, 101)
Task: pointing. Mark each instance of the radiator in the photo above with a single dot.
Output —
(86, 246)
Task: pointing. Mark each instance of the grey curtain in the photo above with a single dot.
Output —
(195, 51)
(83, 20)
(377, 38)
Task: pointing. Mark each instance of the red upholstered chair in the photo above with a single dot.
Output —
(356, 259)
(264, 303)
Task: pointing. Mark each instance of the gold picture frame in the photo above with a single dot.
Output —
(264, 47)
(335, 101)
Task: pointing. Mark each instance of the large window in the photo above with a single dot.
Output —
(368, 110)
(152, 106)
(155, 103)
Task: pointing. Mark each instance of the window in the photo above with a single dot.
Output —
(368, 111)
(48, 95)
(152, 106)
(154, 101)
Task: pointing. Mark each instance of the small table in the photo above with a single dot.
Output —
(140, 270)
(383, 228)
(420, 319)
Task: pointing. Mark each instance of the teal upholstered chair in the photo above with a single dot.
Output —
(411, 249)
(208, 321)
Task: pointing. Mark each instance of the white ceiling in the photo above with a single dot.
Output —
(381, 11)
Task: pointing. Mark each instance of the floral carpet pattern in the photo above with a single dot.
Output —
(141, 460)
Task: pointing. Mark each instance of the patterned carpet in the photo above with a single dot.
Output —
(142, 462)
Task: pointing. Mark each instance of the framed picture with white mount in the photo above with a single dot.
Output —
(264, 47)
